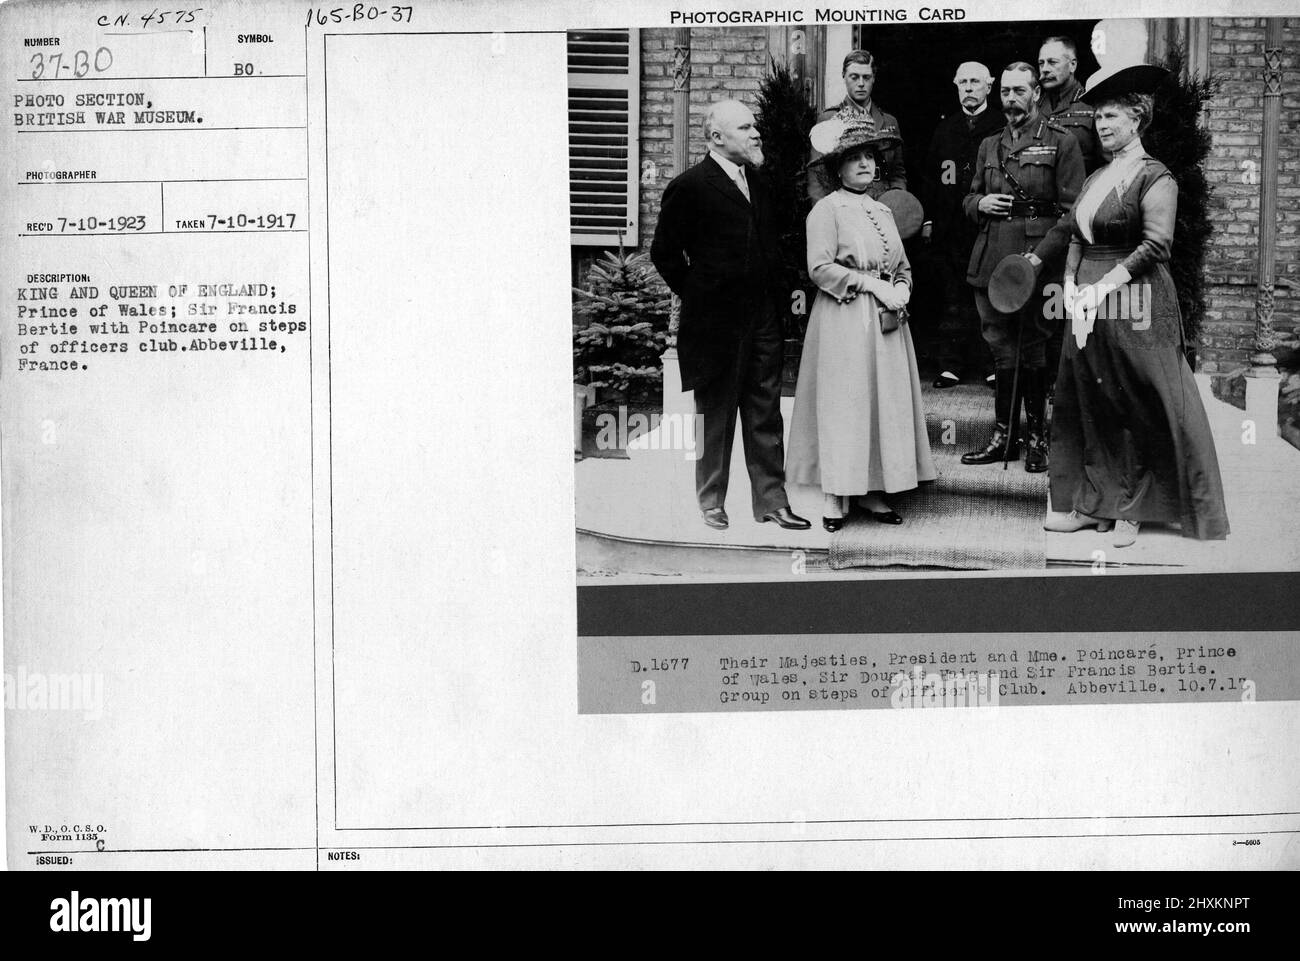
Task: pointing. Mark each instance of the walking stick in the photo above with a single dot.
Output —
(1015, 396)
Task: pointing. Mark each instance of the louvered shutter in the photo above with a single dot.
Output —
(604, 129)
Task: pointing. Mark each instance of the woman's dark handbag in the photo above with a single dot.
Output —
(890, 320)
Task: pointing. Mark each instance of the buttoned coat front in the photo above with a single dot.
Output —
(719, 253)
(1044, 165)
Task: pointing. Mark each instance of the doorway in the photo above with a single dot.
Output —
(915, 64)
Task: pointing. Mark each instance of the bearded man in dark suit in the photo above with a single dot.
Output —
(716, 247)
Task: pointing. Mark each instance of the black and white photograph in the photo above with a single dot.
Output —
(933, 379)
(997, 296)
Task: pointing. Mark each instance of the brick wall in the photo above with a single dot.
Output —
(725, 62)
(1235, 119)
(730, 62)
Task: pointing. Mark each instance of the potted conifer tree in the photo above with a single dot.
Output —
(620, 331)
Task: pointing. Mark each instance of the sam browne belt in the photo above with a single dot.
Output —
(1032, 209)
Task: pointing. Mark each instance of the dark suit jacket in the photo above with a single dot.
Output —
(949, 170)
(720, 254)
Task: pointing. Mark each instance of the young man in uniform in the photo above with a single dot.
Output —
(859, 74)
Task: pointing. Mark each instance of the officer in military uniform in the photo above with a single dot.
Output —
(1058, 58)
(859, 74)
(947, 231)
(1026, 178)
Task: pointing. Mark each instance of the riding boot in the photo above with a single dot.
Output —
(1035, 381)
(1004, 427)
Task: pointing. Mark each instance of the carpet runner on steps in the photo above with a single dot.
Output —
(971, 518)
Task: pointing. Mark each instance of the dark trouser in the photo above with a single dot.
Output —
(1055, 344)
(960, 348)
(1028, 326)
(752, 386)
(1019, 344)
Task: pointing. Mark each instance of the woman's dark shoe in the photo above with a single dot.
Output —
(885, 517)
(832, 524)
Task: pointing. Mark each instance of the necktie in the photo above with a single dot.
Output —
(970, 121)
(741, 182)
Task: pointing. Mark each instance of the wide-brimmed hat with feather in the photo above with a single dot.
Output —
(835, 138)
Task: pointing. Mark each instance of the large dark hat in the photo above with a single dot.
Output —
(1012, 283)
(1140, 78)
(834, 138)
(907, 211)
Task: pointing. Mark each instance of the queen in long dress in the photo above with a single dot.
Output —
(858, 429)
(1131, 443)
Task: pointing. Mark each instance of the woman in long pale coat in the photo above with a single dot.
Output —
(858, 429)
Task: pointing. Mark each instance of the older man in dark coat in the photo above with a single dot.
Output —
(949, 233)
(716, 246)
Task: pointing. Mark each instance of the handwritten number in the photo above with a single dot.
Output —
(360, 12)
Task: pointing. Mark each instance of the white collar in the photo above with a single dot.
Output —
(976, 113)
(729, 167)
(1114, 176)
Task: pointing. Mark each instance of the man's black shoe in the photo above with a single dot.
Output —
(716, 518)
(1035, 454)
(786, 518)
(995, 450)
